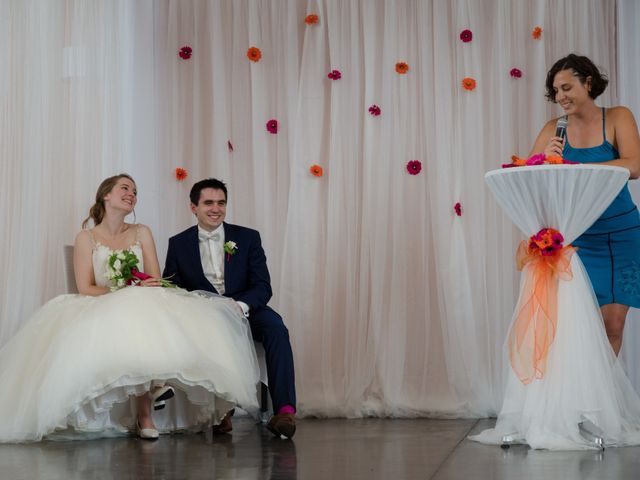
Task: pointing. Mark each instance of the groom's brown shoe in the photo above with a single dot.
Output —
(225, 425)
(282, 424)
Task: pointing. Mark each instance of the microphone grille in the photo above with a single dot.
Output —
(562, 122)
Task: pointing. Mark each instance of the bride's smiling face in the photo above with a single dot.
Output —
(123, 196)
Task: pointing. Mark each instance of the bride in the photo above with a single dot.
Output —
(107, 361)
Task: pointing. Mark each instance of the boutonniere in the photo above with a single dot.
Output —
(230, 248)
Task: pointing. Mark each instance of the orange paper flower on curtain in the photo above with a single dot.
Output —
(402, 68)
(254, 54)
(316, 170)
(311, 19)
(181, 174)
(536, 33)
(468, 83)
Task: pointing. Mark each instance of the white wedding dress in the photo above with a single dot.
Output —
(74, 369)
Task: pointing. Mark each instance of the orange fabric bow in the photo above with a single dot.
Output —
(534, 328)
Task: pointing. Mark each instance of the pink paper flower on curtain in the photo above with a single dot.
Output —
(185, 52)
(414, 167)
(334, 75)
(375, 110)
(272, 126)
(515, 73)
(458, 209)
(230, 145)
(466, 36)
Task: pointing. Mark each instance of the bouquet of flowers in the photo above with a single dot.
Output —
(537, 159)
(122, 270)
(546, 242)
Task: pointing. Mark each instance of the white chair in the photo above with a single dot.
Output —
(263, 395)
(69, 274)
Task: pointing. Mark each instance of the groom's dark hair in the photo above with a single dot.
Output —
(197, 188)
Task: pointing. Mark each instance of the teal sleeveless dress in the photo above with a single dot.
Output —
(610, 248)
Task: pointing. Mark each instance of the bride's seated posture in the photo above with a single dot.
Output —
(116, 358)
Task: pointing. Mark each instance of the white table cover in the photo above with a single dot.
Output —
(583, 378)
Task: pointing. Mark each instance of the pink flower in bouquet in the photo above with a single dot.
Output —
(137, 275)
(546, 242)
(272, 126)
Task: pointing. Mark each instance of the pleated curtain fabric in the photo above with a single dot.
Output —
(395, 304)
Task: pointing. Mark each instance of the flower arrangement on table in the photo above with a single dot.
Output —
(537, 159)
(546, 242)
(122, 270)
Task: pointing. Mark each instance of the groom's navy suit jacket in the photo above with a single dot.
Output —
(246, 277)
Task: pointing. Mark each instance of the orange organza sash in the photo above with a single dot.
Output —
(534, 328)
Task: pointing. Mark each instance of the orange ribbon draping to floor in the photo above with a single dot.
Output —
(534, 328)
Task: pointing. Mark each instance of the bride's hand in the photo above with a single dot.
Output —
(150, 282)
(554, 147)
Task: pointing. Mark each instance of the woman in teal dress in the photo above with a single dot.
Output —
(610, 248)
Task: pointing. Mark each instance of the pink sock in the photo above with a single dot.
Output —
(287, 409)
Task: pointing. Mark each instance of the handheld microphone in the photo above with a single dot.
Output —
(561, 127)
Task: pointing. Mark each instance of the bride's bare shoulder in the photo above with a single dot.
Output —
(83, 237)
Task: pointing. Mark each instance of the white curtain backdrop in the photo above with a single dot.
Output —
(628, 39)
(395, 305)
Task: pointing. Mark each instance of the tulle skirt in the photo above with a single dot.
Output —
(75, 368)
(583, 381)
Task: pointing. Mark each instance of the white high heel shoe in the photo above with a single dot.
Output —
(147, 433)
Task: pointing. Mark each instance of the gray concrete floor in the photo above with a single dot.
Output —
(321, 449)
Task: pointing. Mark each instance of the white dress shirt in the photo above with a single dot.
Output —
(212, 257)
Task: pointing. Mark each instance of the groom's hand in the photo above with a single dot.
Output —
(150, 282)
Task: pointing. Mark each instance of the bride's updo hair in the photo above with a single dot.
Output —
(97, 211)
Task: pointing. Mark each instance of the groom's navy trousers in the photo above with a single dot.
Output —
(246, 279)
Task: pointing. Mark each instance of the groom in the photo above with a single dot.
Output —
(229, 260)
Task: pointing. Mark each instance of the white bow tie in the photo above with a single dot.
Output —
(206, 236)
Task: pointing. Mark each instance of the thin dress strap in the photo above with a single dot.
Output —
(137, 233)
(604, 130)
